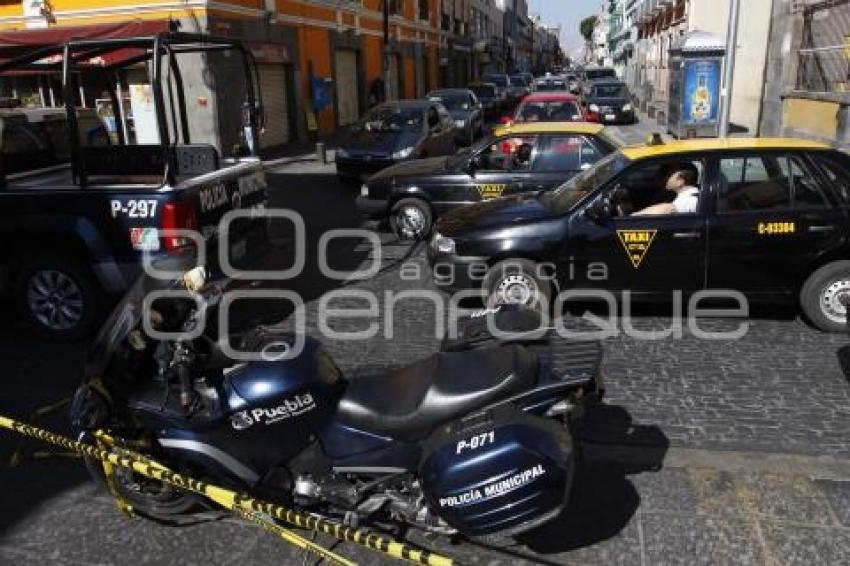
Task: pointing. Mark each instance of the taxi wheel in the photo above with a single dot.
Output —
(517, 282)
(411, 219)
(822, 296)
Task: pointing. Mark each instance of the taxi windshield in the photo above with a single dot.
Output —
(565, 197)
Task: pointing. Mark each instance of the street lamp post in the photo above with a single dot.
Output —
(729, 75)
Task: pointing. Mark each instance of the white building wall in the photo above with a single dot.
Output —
(753, 35)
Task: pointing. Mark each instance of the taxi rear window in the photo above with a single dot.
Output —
(836, 173)
(767, 182)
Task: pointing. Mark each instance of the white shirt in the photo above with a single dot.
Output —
(687, 200)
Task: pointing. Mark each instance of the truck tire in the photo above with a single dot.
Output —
(57, 297)
(411, 219)
(821, 294)
(517, 282)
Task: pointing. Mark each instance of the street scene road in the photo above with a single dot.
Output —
(723, 452)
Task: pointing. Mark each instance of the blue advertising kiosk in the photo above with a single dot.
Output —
(696, 67)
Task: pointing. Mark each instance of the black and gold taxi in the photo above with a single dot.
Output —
(516, 159)
(765, 219)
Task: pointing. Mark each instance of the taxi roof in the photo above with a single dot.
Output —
(550, 128)
(644, 151)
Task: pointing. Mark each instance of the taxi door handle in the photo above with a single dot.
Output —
(822, 228)
(687, 235)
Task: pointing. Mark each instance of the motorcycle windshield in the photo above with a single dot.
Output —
(127, 315)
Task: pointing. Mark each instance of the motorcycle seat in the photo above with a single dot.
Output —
(407, 404)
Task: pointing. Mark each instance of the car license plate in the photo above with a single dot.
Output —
(610, 116)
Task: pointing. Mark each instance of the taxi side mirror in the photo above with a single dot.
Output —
(475, 163)
(600, 210)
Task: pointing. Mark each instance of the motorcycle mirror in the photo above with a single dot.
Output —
(195, 279)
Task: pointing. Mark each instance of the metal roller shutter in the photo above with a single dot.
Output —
(273, 85)
(347, 88)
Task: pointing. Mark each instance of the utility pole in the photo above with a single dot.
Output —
(729, 75)
(387, 89)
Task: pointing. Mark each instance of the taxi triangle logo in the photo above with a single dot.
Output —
(636, 243)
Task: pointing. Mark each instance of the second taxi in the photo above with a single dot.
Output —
(522, 158)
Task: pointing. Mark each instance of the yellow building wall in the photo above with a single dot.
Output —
(11, 9)
(811, 116)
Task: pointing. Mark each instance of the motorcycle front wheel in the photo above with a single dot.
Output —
(148, 497)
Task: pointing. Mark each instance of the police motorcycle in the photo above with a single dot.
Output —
(477, 439)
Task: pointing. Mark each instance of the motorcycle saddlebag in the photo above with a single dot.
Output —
(501, 472)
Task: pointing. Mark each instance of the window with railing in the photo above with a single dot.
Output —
(822, 60)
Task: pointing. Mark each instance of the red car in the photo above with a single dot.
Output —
(549, 107)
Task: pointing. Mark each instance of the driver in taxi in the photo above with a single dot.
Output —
(681, 180)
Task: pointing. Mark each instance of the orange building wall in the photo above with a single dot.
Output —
(374, 53)
(409, 77)
(316, 56)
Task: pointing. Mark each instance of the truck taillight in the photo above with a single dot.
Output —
(178, 216)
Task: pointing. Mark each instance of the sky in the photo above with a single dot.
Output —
(568, 13)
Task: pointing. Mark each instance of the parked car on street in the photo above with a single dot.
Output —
(594, 74)
(769, 220)
(519, 88)
(465, 109)
(393, 132)
(80, 213)
(502, 82)
(610, 102)
(487, 94)
(519, 159)
(548, 107)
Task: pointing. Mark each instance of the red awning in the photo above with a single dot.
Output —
(13, 43)
(20, 42)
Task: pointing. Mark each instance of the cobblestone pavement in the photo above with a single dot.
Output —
(704, 452)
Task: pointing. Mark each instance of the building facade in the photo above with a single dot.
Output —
(489, 46)
(806, 87)
(299, 45)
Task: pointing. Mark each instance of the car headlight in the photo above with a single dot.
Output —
(460, 123)
(444, 245)
(404, 153)
(364, 191)
(341, 152)
(627, 107)
(594, 108)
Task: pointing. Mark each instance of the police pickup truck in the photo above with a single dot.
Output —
(80, 208)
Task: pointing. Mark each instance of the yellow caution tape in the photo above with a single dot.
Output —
(243, 505)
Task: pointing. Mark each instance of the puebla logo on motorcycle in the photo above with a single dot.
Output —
(289, 408)
(241, 420)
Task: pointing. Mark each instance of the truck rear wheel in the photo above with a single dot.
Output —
(57, 298)
(822, 296)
